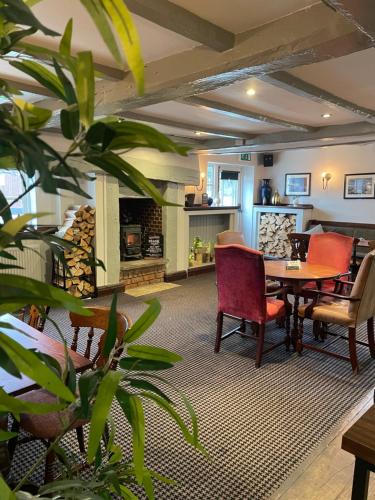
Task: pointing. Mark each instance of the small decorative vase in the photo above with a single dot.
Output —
(276, 198)
(265, 192)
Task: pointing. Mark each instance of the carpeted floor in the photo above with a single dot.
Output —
(258, 424)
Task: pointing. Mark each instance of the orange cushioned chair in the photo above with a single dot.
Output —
(242, 294)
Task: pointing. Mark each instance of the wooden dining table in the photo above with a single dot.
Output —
(34, 339)
(295, 279)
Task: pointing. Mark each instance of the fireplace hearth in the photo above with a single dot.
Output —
(131, 241)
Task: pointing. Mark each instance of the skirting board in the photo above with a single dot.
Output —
(110, 289)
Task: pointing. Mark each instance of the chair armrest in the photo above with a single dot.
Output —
(344, 282)
(318, 293)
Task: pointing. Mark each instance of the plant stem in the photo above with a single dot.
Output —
(27, 190)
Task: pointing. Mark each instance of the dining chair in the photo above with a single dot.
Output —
(33, 317)
(48, 426)
(230, 238)
(299, 243)
(329, 249)
(241, 287)
(349, 311)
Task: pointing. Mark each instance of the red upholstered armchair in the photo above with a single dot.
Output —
(329, 249)
(242, 294)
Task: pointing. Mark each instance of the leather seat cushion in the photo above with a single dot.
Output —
(48, 425)
(330, 311)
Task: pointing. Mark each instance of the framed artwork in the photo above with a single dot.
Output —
(297, 184)
(359, 186)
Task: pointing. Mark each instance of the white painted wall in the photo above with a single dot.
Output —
(338, 160)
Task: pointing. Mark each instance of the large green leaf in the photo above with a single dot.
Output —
(13, 226)
(153, 353)
(5, 492)
(98, 15)
(6, 213)
(18, 12)
(127, 33)
(100, 410)
(42, 75)
(30, 365)
(18, 405)
(147, 386)
(37, 116)
(66, 39)
(144, 321)
(5, 435)
(11, 287)
(85, 84)
(133, 410)
(122, 170)
(87, 385)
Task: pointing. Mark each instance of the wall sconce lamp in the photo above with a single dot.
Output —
(326, 177)
(200, 187)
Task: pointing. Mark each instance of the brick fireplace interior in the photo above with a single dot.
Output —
(143, 212)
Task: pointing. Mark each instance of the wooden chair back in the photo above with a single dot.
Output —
(364, 289)
(99, 320)
(32, 316)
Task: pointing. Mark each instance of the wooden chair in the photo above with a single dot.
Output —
(348, 311)
(48, 426)
(242, 295)
(34, 317)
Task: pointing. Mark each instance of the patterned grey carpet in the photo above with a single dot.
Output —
(258, 424)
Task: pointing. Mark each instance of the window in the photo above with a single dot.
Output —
(12, 185)
(224, 184)
(229, 188)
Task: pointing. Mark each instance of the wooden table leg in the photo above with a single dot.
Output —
(295, 329)
(360, 480)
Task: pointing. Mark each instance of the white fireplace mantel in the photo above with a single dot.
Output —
(303, 215)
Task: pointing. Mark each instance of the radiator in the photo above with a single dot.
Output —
(34, 260)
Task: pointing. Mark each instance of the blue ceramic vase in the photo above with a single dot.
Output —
(265, 192)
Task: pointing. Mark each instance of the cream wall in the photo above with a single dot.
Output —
(338, 160)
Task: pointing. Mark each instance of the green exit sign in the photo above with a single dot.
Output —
(245, 156)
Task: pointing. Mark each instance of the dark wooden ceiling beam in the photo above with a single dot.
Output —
(182, 21)
(361, 13)
(234, 112)
(296, 86)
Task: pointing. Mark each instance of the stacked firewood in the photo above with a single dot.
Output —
(273, 234)
(79, 228)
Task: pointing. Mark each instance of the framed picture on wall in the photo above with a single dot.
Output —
(297, 184)
(359, 186)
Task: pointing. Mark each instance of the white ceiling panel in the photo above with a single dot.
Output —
(280, 103)
(192, 115)
(241, 15)
(350, 77)
(156, 42)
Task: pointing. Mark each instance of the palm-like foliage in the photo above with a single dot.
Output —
(71, 78)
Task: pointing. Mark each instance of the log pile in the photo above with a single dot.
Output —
(273, 234)
(79, 228)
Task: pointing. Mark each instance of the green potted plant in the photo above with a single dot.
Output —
(71, 78)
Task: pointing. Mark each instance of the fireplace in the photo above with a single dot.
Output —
(142, 213)
(131, 241)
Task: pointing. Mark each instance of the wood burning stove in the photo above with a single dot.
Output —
(131, 241)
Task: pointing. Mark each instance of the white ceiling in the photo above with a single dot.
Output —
(156, 42)
(279, 103)
(241, 15)
(351, 77)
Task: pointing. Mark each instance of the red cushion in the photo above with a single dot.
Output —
(326, 285)
(275, 308)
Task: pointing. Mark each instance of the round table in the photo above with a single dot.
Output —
(296, 278)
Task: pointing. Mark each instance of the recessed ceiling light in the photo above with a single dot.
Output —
(326, 115)
(250, 91)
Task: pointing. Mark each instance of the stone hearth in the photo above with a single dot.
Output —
(142, 272)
